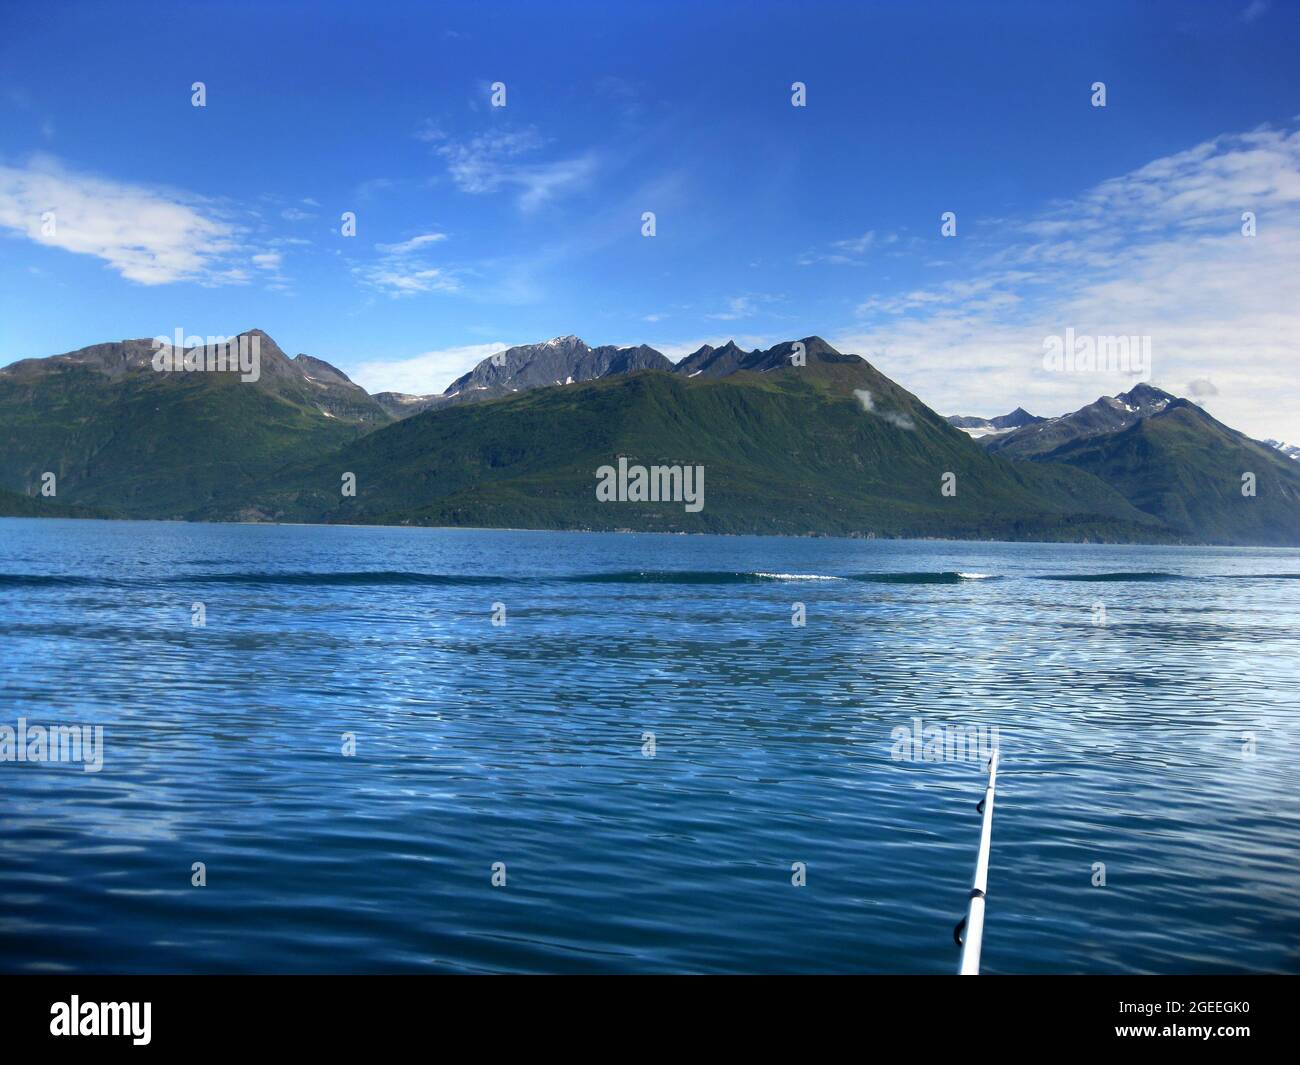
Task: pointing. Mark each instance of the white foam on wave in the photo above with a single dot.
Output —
(797, 577)
(975, 576)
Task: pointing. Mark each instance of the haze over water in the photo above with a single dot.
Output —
(1122, 743)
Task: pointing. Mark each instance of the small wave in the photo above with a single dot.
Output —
(307, 578)
(1139, 575)
(667, 577)
(53, 580)
(762, 576)
(402, 577)
(345, 577)
(931, 577)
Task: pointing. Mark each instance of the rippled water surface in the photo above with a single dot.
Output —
(1162, 743)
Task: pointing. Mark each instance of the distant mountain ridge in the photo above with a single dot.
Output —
(557, 361)
(797, 437)
(981, 427)
(568, 360)
(820, 444)
(1291, 451)
(1194, 473)
(123, 437)
(1172, 459)
(307, 378)
(1107, 414)
(562, 360)
(730, 358)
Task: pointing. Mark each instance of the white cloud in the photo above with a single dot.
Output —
(491, 161)
(858, 245)
(737, 307)
(400, 279)
(420, 375)
(1158, 252)
(407, 246)
(893, 417)
(398, 271)
(747, 305)
(849, 252)
(150, 236)
(1254, 10)
(367, 190)
(429, 132)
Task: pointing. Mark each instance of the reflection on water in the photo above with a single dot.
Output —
(1161, 742)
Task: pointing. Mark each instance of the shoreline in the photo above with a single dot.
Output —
(657, 532)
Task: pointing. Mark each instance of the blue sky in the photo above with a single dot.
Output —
(482, 226)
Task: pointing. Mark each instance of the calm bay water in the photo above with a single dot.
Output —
(525, 744)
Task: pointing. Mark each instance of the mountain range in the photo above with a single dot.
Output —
(561, 361)
(797, 438)
(1021, 435)
(981, 427)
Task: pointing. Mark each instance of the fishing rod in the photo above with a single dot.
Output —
(973, 922)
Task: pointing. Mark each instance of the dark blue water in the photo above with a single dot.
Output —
(524, 743)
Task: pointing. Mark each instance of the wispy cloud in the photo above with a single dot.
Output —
(494, 160)
(414, 244)
(371, 187)
(1157, 252)
(429, 132)
(148, 235)
(737, 307)
(857, 245)
(401, 271)
(402, 278)
(893, 417)
(853, 251)
(1255, 10)
(747, 305)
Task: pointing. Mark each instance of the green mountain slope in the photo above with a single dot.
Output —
(829, 447)
(1184, 467)
(13, 505)
(119, 435)
(787, 449)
